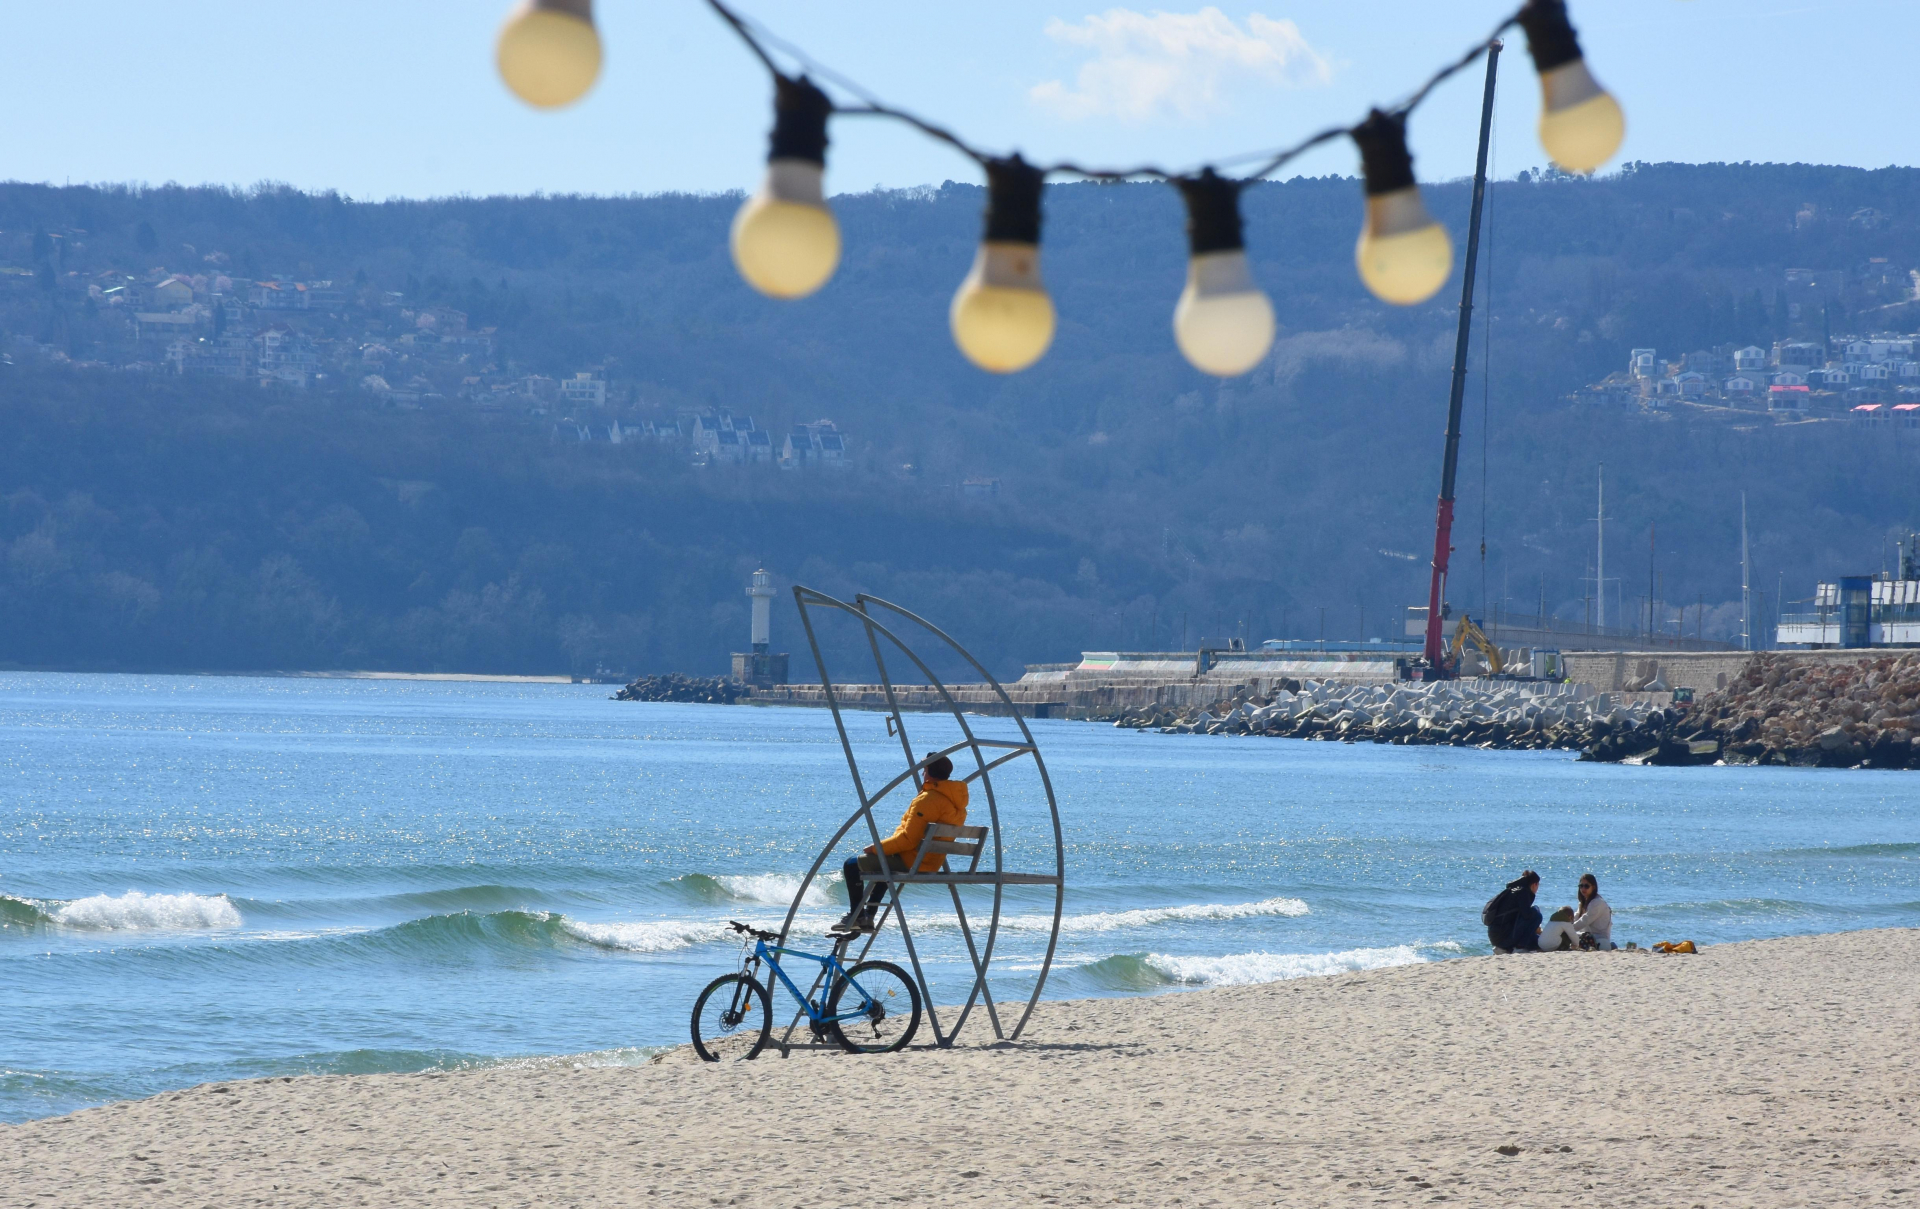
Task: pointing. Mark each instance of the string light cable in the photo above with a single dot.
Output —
(786, 243)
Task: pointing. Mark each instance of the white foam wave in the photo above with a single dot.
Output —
(136, 910)
(1146, 917)
(775, 889)
(1241, 969)
(648, 936)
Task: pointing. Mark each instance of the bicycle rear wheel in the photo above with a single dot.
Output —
(731, 1019)
(888, 1007)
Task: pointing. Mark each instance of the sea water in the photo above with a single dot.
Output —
(216, 877)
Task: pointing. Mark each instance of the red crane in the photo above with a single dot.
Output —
(1437, 665)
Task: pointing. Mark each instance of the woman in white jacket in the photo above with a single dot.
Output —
(1594, 917)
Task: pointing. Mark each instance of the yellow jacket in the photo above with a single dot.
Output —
(937, 802)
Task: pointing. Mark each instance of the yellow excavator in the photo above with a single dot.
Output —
(1465, 631)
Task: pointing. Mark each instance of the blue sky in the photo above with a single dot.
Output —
(399, 98)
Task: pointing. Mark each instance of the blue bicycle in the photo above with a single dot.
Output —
(870, 1008)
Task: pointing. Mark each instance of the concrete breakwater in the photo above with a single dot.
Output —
(1460, 713)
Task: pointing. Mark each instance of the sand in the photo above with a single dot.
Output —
(1768, 1073)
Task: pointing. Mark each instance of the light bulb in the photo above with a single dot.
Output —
(1581, 126)
(1001, 316)
(549, 53)
(785, 242)
(1223, 323)
(1404, 256)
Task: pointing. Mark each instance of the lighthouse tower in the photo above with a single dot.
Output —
(759, 666)
(761, 589)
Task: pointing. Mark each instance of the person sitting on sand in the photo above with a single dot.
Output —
(1595, 919)
(940, 800)
(1513, 922)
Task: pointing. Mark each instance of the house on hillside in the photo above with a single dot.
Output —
(819, 443)
(1787, 398)
(584, 389)
(1741, 386)
(1749, 360)
(1798, 354)
(721, 434)
(1642, 363)
(172, 294)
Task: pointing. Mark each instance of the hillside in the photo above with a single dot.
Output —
(160, 520)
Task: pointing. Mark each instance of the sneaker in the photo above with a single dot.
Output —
(850, 922)
(866, 922)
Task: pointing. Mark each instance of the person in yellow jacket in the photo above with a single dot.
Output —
(940, 800)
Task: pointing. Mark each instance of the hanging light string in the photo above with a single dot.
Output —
(786, 243)
(759, 39)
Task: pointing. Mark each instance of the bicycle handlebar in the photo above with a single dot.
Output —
(756, 933)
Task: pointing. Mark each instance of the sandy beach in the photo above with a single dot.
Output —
(1775, 1073)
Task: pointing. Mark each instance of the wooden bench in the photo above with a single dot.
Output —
(947, 842)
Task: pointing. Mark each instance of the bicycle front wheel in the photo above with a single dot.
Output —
(732, 1019)
(881, 1005)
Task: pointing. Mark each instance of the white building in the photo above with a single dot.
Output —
(584, 389)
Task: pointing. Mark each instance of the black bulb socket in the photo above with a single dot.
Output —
(1213, 213)
(1384, 158)
(800, 113)
(1013, 200)
(1550, 36)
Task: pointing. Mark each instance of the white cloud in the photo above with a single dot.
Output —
(1148, 65)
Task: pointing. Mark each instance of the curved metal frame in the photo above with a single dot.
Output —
(999, 877)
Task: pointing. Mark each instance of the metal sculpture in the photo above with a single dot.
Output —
(988, 755)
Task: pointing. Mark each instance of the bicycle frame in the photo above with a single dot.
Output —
(830, 967)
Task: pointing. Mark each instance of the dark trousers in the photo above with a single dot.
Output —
(852, 870)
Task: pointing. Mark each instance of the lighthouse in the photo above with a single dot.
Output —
(761, 589)
(759, 666)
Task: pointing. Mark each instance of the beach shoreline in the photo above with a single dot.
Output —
(1774, 1072)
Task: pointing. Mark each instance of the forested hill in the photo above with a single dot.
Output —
(159, 520)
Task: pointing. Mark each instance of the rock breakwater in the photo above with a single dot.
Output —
(704, 690)
(1787, 709)
(1460, 713)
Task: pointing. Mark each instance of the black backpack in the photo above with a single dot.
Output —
(1498, 908)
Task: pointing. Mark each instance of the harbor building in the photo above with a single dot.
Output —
(1857, 612)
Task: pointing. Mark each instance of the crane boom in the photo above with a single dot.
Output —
(1443, 521)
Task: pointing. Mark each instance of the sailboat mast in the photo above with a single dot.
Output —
(1443, 521)
(1746, 580)
(1600, 553)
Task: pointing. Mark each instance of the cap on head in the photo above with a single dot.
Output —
(939, 769)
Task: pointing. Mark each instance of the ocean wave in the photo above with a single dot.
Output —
(1142, 917)
(132, 911)
(20, 913)
(482, 897)
(647, 936)
(1146, 917)
(1153, 971)
(772, 889)
(1724, 909)
(1857, 850)
(460, 931)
